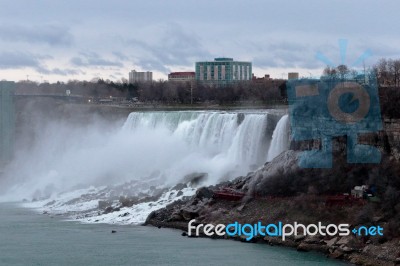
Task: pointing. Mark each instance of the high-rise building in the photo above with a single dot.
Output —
(223, 71)
(135, 76)
(7, 121)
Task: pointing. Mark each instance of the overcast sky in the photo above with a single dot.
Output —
(63, 40)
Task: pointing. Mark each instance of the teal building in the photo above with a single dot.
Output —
(223, 71)
(7, 121)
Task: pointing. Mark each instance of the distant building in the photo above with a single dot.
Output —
(7, 121)
(223, 71)
(293, 75)
(135, 76)
(181, 76)
(262, 79)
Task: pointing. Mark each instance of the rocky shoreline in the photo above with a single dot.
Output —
(347, 248)
(306, 208)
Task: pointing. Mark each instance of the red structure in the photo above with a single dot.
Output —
(341, 200)
(229, 194)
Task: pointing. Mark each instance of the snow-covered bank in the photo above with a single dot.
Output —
(85, 205)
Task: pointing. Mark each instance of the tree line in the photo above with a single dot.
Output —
(386, 71)
(163, 92)
(387, 75)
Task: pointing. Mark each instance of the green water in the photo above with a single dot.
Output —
(28, 238)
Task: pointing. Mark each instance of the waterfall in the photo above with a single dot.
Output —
(71, 168)
(219, 135)
(280, 138)
(161, 146)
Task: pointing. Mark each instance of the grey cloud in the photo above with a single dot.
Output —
(93, 59)
(153, 64)
(50, 34)
(12, 60)
(380, 50)
(174, 47)
(285, 55)
(281, 34)
(58, 71)
(303, 55)
(16, 60)
(120, 56)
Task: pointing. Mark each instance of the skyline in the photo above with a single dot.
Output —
(54, 41)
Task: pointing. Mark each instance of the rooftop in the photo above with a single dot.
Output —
(182, 73)
(223, 59)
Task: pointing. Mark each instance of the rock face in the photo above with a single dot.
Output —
(128, 201)
(178, 213)
(104, 204)
(284, 165)
(387, 140)
(281, 191)
(195, 179)
(204, 193)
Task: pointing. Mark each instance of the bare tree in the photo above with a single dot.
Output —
(343, 71)
(394, 71)
(330, 72)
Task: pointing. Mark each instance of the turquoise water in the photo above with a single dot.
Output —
(28, 238)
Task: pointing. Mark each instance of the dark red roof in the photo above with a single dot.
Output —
(182, 73)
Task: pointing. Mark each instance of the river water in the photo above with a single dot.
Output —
(30, 238)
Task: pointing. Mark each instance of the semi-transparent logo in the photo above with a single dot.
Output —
(340, 103)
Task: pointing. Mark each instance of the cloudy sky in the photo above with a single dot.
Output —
(64, 40)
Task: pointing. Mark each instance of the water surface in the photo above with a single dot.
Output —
(29, 238)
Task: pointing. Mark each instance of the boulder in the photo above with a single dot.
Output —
(366, 249)
(303, 247)
(104, 204)
(273, 240)
(345, 249)
(344, 240)
(299, 238)
(336, 255)
(176, 217)
(189, 214)
(240, 208)
(377, 219)
(109, 209)
(127, 201)
(312, 240)
(204, 193)
(330, 243)
(179, 186)
(195, 179)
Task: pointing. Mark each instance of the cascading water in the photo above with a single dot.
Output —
(280, 138)
(150, 154)
(215, 134)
